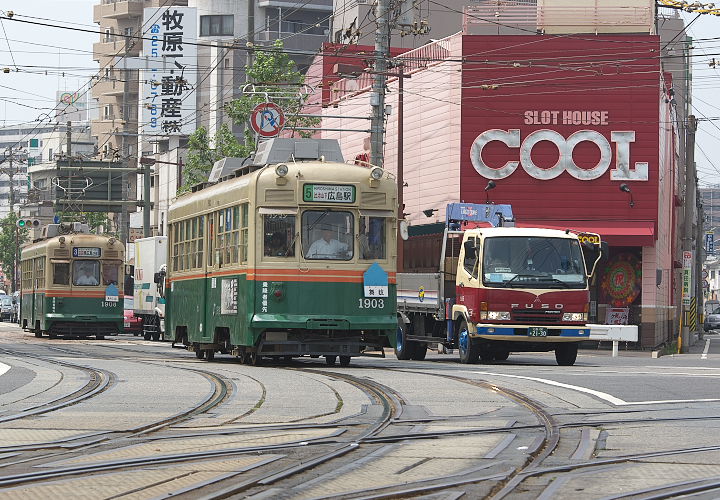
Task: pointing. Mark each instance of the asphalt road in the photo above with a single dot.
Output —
(126, 418)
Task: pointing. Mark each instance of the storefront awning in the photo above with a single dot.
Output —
(617, 233)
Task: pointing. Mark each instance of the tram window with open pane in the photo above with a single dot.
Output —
(86, 273)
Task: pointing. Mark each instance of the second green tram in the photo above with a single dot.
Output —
(72, 284)
(283, 260)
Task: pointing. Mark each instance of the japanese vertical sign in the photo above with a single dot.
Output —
(710, 243)
(687, 277)
(167, 100)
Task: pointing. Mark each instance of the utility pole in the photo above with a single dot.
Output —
(400, 166)
(377, 97)
(10, 172)
(688, 236)
(699, 260)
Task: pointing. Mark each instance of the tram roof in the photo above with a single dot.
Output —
(229, 192)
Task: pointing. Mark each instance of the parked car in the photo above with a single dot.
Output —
(132, 324)
(7, 309)
(712, 320)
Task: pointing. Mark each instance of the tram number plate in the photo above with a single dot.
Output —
(537, 331)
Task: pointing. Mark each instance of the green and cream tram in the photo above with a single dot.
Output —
(289, 257)
(72, 284)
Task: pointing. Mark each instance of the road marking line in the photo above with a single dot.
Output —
(602, 395)
(707, 348)
(4, 368)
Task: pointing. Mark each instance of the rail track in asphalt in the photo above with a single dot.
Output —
(354, 441)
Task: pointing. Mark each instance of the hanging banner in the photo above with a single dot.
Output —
(687, 277)
(168, 100)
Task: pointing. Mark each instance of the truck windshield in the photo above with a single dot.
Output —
(533, 262)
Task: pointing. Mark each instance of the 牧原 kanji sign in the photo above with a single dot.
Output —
(168, 100)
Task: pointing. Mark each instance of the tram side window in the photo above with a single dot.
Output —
(110, 272)
(61, 273)
(27, 274)
(279, 235)
(327, 235)
(372, 238)
(40, 273)
(86, 273)
(243, 232)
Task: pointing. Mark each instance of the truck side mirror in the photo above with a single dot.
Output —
(157, 277)
(470, 250)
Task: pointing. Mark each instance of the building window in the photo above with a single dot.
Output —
(108, 111)
(216, 25)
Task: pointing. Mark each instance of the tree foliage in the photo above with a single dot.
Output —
(275, 78)
(8, 244)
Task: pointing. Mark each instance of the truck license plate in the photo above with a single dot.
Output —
(126, 324)
(537, 331)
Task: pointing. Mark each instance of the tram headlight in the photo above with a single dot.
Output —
(376, 173)
(281, 170)
(111, 241)
(62, 240)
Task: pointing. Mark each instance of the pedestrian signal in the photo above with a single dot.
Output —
(28, 223)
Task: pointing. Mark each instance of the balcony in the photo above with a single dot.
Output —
(118, 9)
(294, 41)
(316, 5)
(108, 87)
(114, 48)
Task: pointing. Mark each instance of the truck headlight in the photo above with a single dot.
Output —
(574, 317)
(495, 315)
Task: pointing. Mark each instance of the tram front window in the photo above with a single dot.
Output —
(279, 235)
(110, 271)
(372, 238)
(61, 273)
(327, 235)
(86, 273)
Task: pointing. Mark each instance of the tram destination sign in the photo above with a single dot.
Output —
(329, 193)
(86, 252)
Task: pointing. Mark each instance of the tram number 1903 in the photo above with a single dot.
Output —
(372, 303)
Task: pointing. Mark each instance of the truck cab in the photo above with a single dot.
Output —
(494, 288)
(521, 289)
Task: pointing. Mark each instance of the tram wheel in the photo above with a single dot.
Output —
(100, 337)
(330, 360)
(199, 354)
(209, 355)
(344, 360)
(255, 359)
(38, 333)
(156, 336)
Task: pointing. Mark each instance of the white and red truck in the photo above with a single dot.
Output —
(486, 288)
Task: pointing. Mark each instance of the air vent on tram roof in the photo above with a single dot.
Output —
(279, 195)
(373, 198)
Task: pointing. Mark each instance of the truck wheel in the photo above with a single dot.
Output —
(156, 336)
(147, 335)
(501, 355)
(467, 347)
(403, 348)
(209, 355)
(344, 360)
(566, 354)
(330, 360)
(419, 351)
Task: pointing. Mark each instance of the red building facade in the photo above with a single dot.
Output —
(560, 124)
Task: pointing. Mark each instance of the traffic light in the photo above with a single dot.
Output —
(28, 223)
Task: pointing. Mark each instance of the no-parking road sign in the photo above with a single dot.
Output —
(267, 119)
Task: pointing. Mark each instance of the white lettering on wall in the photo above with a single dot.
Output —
(565, 147)
(548, 117)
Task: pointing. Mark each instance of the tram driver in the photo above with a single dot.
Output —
(84, 275)
(327, 247)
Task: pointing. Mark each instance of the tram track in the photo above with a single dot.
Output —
(315, 453)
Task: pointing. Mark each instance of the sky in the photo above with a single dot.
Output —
(51, 59)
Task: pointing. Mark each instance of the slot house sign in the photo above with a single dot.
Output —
(565, 161)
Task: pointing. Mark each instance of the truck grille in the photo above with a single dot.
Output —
(537, 316)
